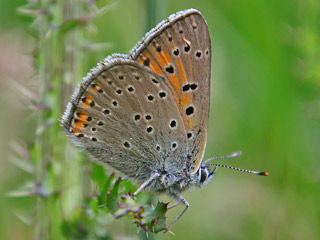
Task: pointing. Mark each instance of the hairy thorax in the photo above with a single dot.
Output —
(173, 183)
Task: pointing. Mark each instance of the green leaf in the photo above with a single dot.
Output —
(160, 225)
(155, 217)
(128, 186)
(159, 211)
(112, 199)
(99, 175)
(102, 198)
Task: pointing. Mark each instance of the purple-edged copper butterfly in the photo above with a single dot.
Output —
(146, 114)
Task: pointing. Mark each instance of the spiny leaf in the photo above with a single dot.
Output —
(104, 190)
(155, 217)
(129, 207)
(142, 213)
(99, 175)
(159, 211)
(113, 197)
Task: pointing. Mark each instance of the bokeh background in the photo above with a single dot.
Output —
(265, 102)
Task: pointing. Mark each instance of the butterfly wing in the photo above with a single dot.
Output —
(179, 50)
(125, 116)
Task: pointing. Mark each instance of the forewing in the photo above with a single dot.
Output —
(179, 50)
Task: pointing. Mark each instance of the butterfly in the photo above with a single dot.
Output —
(146, 114)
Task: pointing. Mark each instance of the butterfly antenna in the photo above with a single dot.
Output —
(241, 170)
(232, 155)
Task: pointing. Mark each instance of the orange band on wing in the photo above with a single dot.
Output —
(85, 105)
(185, 101)
(95, 88)
(175, 95)
(175, 85)
(152, 65)
(155, 68)
(82, 117)
(79, 124)
(189, 122)
(86, 101)
(182, 73)
(75, 131)
(164, 59)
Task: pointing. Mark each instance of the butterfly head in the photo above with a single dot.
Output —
(204, 175)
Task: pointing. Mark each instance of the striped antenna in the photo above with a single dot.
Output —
(241, 170)
(234, 155)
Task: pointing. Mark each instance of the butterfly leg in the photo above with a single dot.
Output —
(172, 206)
(143, 185)
(182, 200)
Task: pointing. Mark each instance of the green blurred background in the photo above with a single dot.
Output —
(265, 102)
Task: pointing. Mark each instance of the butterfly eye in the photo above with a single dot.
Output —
(203, 174)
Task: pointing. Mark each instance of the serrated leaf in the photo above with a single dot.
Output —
(129, 207)
(99, 175)
(104, 190)
(112, 199)
(159, 211)
(160, 225)
(155, 218)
